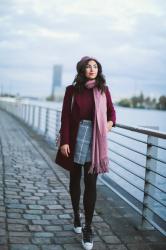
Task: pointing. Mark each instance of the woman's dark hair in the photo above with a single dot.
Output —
(80, 79)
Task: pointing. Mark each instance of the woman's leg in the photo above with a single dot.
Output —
(89, 198)
(75, 189)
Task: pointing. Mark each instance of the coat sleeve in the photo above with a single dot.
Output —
(111, 114)
(65, 116)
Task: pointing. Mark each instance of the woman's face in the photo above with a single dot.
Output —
(91, 70)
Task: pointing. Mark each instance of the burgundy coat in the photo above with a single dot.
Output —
(70, 120)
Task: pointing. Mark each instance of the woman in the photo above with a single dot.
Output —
(87, 116)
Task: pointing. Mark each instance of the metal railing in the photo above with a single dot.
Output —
(137, 161)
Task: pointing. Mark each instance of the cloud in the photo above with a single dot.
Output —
(128, 37)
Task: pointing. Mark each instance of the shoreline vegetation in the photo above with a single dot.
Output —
(142, 102)
(138, 102)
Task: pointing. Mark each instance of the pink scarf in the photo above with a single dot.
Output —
(100, 160)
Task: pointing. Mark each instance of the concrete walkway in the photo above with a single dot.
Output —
(35, 207)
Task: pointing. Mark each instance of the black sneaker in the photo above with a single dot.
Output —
(87, 238)
(77, 225)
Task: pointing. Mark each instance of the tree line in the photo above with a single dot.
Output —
(143, 102)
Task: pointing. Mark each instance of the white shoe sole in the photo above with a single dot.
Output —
(78, 230)
(87, 246)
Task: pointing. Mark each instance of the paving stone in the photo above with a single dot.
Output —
(49, 216)
(53, 228)
(60, 222)
(52, 247)
(65, 216)
(140, 247)
(14, 201)
(158, 246)
(3, 241)
(25, 194)
(2, 225)
(43, 234)
(24, 247)
(17, 221)
(118, 247)
(66, 240)
(34, 211)
(40, 222)
(99, 246)
(132, 238)
(16, 227)
(102, 232)
(43, 191)
(20, 234)
(8, 192)
(18, 240)
(39, 194)
(36, 207)
(101, 226)
(32, 198)
(28, 202)
(15, 210)
(16, 206)
(31, 216)
(97, 219)
(14, 215)
(48, 201)
(4, 247)
(65, 233)
(2, 214)
(154, 236)
(73, 246)
(53, 211)
(55, 207)
(111, 239)
(41, 241)
(2, 219)
(35, 228)
(68, 227)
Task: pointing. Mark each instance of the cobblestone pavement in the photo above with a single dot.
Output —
(35, 207)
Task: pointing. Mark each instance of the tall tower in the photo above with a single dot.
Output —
(57, 78)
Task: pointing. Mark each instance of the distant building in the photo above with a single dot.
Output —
(57, 78)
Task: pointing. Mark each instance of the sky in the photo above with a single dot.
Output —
(128, 37)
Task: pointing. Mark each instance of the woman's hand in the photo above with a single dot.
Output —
(109, 125)
(65, 150)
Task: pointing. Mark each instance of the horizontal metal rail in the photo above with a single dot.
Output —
(129, 137)
(125, 157)
(148, 131)
(127, 147)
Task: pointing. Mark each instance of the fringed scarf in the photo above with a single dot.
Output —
(100, 160)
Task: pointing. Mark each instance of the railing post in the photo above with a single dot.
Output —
(29, 110)
(39, 118)
(46, 121)
(57, 122)
(15, 109)
(22, 111)
(33, 116)
(58, 115)
(18, 110)
(150, 165)
(25, 112)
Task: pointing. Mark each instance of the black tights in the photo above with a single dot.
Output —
(89, 197)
